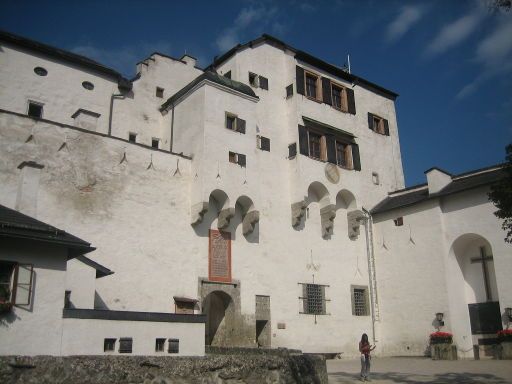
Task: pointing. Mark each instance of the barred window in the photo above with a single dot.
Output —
(313, 298)
(360, 306)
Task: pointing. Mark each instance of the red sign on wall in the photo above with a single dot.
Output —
(219, 256)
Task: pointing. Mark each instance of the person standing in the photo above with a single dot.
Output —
(365, 348)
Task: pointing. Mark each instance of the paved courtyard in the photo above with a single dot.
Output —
(409, 370)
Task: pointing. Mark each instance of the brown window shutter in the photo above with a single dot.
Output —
(240, 125)
(370, 121)
(386, 127)
(265, 143)
(263, 82)
(355, 157)
(300, 80)
(331, 149)
(303, 141)
(241, 160)
(323, 148)
(326, 90)
(351, 101)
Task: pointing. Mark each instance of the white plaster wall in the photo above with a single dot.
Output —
(78, 337)
(60, 91)
(81, 281)
(35, 329)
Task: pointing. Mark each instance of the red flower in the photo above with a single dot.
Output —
(505, 332)
(440, 335)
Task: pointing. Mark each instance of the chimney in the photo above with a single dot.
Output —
(28, 187)
(437, 179)
(189, 60)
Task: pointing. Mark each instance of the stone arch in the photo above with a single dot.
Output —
(250, 216)
(220, 200)
(472, 291)
(346, 200)
(219, 308)
(317, 192)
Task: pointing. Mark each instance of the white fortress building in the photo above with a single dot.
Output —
(259, 202)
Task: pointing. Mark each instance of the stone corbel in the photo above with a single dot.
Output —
(249, 221)
(197, 212)
(327, 215)
(298, 211)
(225, 217)
(353, 224)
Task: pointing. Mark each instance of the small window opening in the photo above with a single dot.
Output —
(399, 221)
(35, 110)
(174, 346)
(289, 91)
(125, 345)
(159, 92)
(88, 85)
(232, 157)
(253, 79)
(132, 137)
(375, 178)
(231, 122)
(264, 143)
(67, 299)
(227, 75)
(109, 345)
(155, 143)
(40, 71)
(160, 345)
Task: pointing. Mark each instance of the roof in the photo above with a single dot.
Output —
(14, 224)
(213, 77)
(307, 58)
(462, 182)
(63, 55)
(101, 271)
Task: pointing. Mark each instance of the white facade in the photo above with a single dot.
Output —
(292, 219)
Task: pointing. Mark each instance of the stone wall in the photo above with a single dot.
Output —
(240, 368)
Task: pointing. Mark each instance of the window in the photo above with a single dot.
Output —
(234, 123)
(263, 83)
(35, 109)
(315, 145)
(360, 305)
(174, 346)
(378, 124)
(40, 71)
(125, 345)
(339, 97)
(155, 143)
(109, 345)
(132, 137)
(313, 298)
(343, 154)
(289, 91)
(253, 79)
(311, 85)
(375, 178)
(15, 283)
(292, 150)
(237, 158)
(88, 85)
(159, 92)
(160, 345)
(264, 143)
(399, 221)
(227, 75)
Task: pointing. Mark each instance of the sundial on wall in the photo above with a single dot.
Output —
(332, 173)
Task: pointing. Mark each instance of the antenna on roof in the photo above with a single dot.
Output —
(346, 66)
(348, 60)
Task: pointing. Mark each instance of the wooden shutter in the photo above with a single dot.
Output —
(263, 82)
(355, 157)
(370, 121)
(351, 101)
(240, 125)
(300, 80)
(174, 346)
(265, 143)
(386, 127)
(331, 149)
(303, 141)
(23, 284)
(326, 90)
(292, 150)
(241, 160)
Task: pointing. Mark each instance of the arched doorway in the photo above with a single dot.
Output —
(479, 291)
(219, 309)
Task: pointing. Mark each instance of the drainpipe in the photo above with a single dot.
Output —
(114, 96)
(172, 127)
(372, 279)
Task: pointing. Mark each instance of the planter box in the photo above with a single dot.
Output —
(440, 340)
(443, 351)
(505, 350)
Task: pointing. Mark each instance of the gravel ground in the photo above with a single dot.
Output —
(407, 370)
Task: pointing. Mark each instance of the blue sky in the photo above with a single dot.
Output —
(450, 61)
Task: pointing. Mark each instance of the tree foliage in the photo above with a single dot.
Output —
(501, 195)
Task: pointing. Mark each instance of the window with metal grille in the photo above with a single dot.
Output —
(360, 305)
(125, 345)
(313, 297)
(174, 346)
(160, 345)
(109, 345)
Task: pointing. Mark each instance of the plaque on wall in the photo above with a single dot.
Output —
(332, 173)
(219, 256)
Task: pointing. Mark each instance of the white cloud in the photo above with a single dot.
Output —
(454, 33)
(122, 59)
(408, 16)
(247, 18)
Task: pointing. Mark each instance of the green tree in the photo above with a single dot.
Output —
(501, 196)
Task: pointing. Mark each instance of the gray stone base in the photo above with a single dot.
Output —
(443, 351)
(505, 350)
(214, 369)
